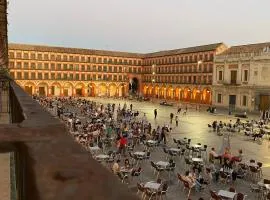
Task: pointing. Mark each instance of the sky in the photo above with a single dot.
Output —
(138, 25)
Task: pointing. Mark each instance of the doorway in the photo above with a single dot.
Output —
(42, 91)
(232, 102)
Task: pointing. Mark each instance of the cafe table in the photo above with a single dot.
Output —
(226, 194)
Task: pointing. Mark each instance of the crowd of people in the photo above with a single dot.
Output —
(116, 129)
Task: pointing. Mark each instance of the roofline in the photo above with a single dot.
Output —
(21, 46)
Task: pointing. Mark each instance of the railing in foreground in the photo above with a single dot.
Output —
(46, 164)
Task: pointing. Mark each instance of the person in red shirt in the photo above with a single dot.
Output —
(122, 145)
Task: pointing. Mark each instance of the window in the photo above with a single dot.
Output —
(77, 59)
(65, 66)
(82, 68)
(25, 56)
(82, 58)
(39, 56)
(65, 76)
(219, 98)
(18, 55)
(88, 68)
(26, 75)
(26, 65)
(99, 60)
(88, 77)
(33, 65)
(19, 65)
(19, 75)
(39, 75)
(244, 101)
(83, 77)
(65, 58)
(220, 75)
(71, 58)
(53, 76)
(77, 77)
(11, 64)
(46, 56)
(104, 60)
(33, 75)
(33, 56)
(58, 66)
(11, 55)
(52, 57)
(70, 76)
(46, 65)
(58, 57)
(52, 66)
(245, 75)
(39, 65)
(46, 76)
(59, 76)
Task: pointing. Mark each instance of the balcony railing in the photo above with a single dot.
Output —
(47, 163)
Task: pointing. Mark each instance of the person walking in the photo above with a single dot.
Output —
(179, 110)
(171, 117)
(155, 113)
(176, 121)
(131, 107)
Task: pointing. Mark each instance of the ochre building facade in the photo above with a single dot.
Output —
(180, 74)
(57, 71)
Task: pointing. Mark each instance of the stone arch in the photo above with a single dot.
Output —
(121, 90)
(102, 90)
(207, 96)
(30, 88)
(42, 89)
(187, 94)
(162, 91)
(79, 89)
(156, 91)
(91, 89)
(68, 89)
(177, 93)
(196, 95)
(170, 92)
(56, 89)
(112, 90)
(134, 85)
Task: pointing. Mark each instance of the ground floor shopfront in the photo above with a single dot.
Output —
(186, 93)
(242, 98)
(75, 88)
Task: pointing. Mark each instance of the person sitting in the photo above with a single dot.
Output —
(213, 155)
(127, 164)
(116, 167)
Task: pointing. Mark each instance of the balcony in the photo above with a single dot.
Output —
(48, 163)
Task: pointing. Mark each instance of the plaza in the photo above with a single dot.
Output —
(192, 125)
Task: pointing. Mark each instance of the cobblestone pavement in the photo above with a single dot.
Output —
(194, 126)
(4, 176)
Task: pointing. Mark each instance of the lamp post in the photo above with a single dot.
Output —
(200, 62)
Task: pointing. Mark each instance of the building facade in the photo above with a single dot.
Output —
(241, 78)
(181, 74)
(57, 71)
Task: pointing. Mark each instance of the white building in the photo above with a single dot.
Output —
(241, 78)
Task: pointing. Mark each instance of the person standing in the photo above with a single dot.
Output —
(131, 107)
(155, 113)
(176, 121)
(171, 117)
